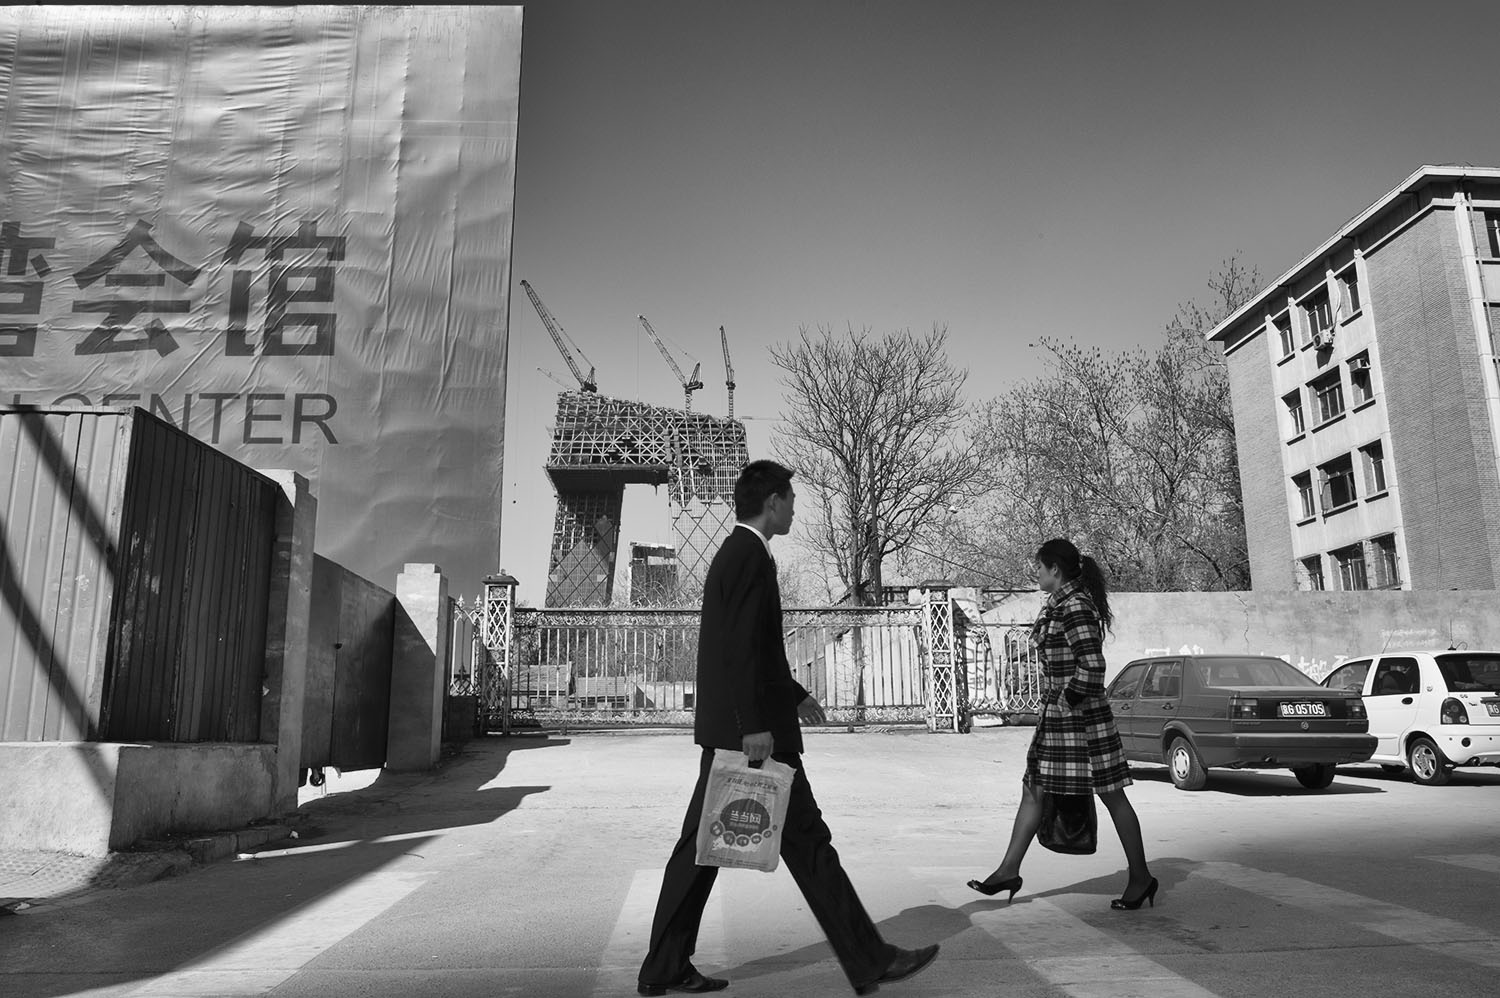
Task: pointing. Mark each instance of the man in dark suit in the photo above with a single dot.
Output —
(747, 701)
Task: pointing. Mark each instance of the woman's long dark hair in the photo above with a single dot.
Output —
(1060, 554)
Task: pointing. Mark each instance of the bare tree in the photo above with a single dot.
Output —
(874, 431)
(1131, 455)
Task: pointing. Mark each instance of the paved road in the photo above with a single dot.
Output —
(529, 867)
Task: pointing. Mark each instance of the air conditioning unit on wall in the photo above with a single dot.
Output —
(1324, 339)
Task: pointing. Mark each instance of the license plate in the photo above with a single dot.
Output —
(1304, 710)
(1493, 708)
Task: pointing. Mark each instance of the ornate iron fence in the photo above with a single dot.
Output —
(639, 665)
(1004, 674)
(934, 661)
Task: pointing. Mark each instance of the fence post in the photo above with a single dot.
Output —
(288, 621)
(497, 634)
(937, 626)
(419, 663)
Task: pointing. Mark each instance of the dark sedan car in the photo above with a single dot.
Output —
(1197, 712)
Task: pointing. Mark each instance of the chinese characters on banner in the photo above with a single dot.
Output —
(285, 231)
(132, 321)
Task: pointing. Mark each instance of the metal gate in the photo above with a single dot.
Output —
(557, 668)
(637, 666)
(1004, 673)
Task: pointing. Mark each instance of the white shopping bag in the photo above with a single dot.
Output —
(743, 811)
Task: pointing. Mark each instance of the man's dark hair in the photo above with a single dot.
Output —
(759, 480)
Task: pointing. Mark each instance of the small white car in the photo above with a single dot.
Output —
(1429, 710)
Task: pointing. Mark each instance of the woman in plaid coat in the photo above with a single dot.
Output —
(1076, 748)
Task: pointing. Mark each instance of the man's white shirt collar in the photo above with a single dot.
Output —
(764, 542)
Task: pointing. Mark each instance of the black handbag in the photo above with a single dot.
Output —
(1070, 823)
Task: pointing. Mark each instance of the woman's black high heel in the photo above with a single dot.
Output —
(1011, 884)
(1149, 894)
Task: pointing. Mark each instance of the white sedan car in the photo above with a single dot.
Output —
(1429, 710)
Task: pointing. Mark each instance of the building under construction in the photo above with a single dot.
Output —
(653, 574)
(599, 446)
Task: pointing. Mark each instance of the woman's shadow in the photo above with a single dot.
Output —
(939, 923)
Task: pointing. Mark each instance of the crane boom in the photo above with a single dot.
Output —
(728, 369)
(555, 378)
(588, 384)
(689, 385)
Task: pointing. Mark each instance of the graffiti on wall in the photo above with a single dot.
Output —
(1315, 666)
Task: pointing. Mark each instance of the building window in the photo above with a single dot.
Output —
(1305, 495)
(1329, 390)
(1351, 562)
(1348, 283)
(1359, 378)
(1337, 480)
(1312, 570)
(1383, 550)
(1283, 324)
(1293, 403)
(1317, 317)
(1372, 456)
(1492, 230)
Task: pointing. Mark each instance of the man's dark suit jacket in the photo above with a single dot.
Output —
(745, 683)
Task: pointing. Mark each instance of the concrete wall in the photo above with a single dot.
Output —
(1313, 631)
(419, 663)
(94, 796)
(287, 624)
(89, 798)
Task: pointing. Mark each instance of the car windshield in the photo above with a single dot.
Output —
(1250, 672)
(1470, 673)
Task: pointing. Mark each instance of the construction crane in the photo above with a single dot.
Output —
(728, 370)
(560, 338)
(689, 385)
(565, 386)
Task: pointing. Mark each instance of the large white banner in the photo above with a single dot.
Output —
(285, 230)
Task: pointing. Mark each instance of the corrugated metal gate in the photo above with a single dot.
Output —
(59, 523)
(134, 562)
(188, 634)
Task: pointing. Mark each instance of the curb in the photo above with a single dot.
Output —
(36, 881)
(205, 849)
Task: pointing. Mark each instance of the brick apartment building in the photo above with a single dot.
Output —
(1366, 402)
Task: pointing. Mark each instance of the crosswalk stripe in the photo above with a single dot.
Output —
(1483, 862)
(1444, 935)
(631, 937)
(1072, 955)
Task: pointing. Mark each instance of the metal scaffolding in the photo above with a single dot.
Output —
(602, 444)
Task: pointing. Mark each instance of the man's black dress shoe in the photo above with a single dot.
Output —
(905, 963)
(692, 983)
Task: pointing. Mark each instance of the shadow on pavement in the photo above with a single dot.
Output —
(1469, 778)
(924, 924)
(1257, 783)
(344, 838)
(456, 793)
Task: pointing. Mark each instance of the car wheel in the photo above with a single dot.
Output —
(1185, 766)
(1428, 767)
(1314, 777)
(1392, 769)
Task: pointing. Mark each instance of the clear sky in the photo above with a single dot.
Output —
(1009, 171)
